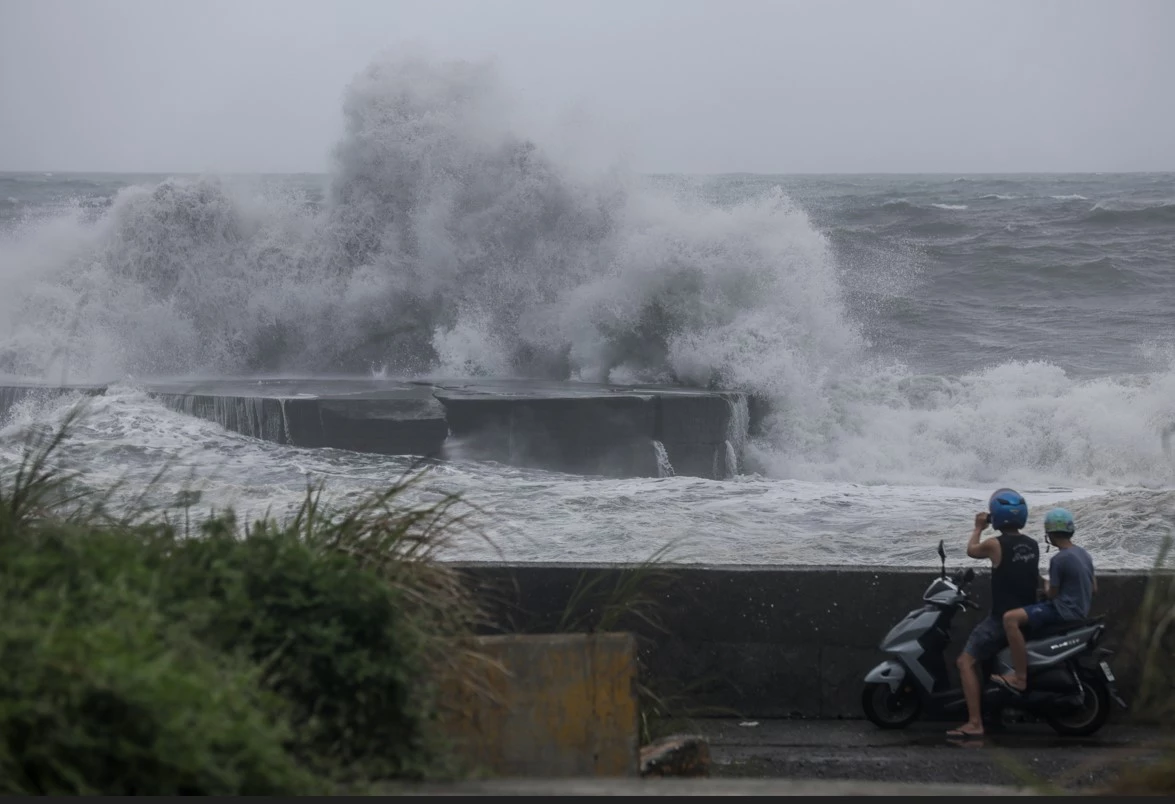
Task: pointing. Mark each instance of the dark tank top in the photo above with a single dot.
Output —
(1015, 581)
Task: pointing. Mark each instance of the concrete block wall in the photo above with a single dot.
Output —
(585, 435)
(769, 641)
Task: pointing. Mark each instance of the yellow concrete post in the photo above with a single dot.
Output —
(547, 705)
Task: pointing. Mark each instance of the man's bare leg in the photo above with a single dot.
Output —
(1014, 621)
(969, 677)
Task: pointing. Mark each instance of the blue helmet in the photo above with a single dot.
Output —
(1059, 520)
(1008, 509)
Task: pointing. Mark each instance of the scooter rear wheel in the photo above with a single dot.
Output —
(1090, 717)
(888, 709)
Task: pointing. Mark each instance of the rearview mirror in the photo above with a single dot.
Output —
(942, 554)
(969, 575)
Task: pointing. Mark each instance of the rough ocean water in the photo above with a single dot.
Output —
(923, 339)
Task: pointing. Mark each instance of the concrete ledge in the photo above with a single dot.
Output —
(548, 705)
(693, 787)
(767, 641)
(584, 428)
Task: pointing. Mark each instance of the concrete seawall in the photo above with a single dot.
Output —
(762, 641)
(583, 428)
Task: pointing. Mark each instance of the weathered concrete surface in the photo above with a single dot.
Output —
(690, 787)
(552, 429)
(591, 428)
(853, 750)
(823, 757)
(386, 417)
(573, 427)
(14, 392)
(829, 757)
(551, 705)
(769, 641)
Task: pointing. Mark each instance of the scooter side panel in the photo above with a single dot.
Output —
(903, 642)
(1051, 650)
(888, 672)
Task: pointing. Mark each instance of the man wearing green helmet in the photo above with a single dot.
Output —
(1070, 589)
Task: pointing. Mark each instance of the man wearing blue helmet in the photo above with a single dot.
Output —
(1070, 590)
(1015, 559)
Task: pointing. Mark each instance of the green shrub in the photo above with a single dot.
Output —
(101, 693)
(333, 638)
(137, 657)
(1152, 650)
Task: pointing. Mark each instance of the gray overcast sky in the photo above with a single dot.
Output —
(673, 85)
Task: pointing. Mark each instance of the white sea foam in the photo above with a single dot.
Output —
(531, 515)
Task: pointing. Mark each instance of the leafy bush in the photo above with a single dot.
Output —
(280, 657)
(1152, 650)
(101, 693)
(346, 645)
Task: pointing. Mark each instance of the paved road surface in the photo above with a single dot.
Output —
(836, 758)
(686, 787)
(856, 750)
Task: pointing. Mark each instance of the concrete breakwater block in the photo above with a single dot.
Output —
(595, 429)
(581, 428)
(13, 392)
(546, 705)
(384, 418)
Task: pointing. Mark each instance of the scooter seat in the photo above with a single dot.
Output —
(1062, 627)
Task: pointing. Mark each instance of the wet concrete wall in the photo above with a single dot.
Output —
(581, 428)
(597, 430)
(12, 395)
(760, 641)
(609, 436)
(547, 705)
(388, 426)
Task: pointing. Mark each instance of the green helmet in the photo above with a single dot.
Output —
(1059, 520)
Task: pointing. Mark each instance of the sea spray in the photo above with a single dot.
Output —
(737, 432)
(446, 243)
(664, 467)
(732, 462)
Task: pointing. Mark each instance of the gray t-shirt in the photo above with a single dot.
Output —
(1071, 572)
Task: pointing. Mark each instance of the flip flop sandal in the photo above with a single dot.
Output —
(964, 735)
(1003, 682)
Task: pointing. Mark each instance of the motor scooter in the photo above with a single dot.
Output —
(1070, 681)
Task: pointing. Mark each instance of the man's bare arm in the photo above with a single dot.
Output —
(981, 549)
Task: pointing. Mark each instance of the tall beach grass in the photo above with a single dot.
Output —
(143, 654)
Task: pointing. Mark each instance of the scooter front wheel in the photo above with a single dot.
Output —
(889, 709)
